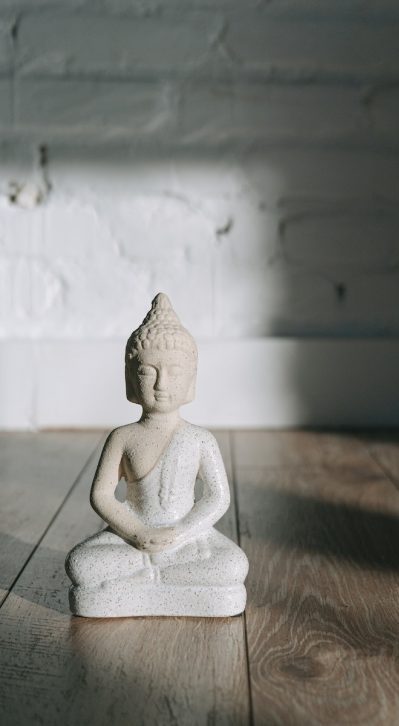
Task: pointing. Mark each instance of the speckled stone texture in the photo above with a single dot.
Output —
(127, 599)
(160, 553)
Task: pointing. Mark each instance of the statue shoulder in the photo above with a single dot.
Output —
(120, 435)
(202, 436)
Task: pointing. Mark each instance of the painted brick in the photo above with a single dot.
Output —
(180, 222)
(266, 232)
(178, 43)
(372, 303)
(281, 175)
(20, 233)
(291, 8)
(384, 112)
(261, 300)
(143, 108)
(248, 235)
(336, 48)
(147, 242)
(5, 103)
(19, 6)
(257, 111)
(116, 45)
(17, 162)
(364, 9)
(292, 175)
(281, 302)
(187, 174)
(289, 229)
(6, 46)
(342, 241)
(30, 290)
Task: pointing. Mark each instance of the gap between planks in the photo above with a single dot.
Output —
(319, 521)
(36, 472)
(162, 670)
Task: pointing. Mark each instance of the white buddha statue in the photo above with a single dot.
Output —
(160, 553)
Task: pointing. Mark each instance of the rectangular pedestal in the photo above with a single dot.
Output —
(125, 599)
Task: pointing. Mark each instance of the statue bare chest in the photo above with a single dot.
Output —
(141, 453)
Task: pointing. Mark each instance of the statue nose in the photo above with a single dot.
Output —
(161, 381)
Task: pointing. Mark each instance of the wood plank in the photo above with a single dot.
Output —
(384, 448)
(323, 614)
(55, 668)
(305, 449)
(228, 523)
(36, 472)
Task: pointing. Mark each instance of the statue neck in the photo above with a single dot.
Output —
(160, 420)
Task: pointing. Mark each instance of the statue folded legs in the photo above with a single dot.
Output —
(160, 553)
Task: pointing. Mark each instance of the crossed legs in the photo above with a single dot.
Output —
(211, 560)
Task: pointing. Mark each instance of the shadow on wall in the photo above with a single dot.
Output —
(216, 232)
(230, 159)
(276, 242)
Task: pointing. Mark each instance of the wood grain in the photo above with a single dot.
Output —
(321, 530)
(319, 520)
(55, 668)
(383, 446)
(304, 449)
(36, 472)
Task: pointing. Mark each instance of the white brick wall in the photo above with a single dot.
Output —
(5, 103)
(87, 106)
(336, 47)
(258, 111)
(115, 46)
(243, 157)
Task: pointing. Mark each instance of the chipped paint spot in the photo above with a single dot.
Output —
(226, 228)
(340, 290)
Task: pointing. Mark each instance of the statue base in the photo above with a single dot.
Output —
(127, 599)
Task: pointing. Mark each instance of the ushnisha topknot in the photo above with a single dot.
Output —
(161, 329)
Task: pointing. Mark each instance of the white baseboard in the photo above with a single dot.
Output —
(268, 382)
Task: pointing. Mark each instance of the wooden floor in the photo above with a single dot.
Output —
(318, 516)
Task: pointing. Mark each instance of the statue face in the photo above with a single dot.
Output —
(163, 379)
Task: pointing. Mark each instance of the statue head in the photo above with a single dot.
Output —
(160, 360)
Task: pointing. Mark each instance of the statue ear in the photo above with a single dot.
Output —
(131, 394)
(191, 389)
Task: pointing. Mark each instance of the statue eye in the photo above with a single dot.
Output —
(146, 371)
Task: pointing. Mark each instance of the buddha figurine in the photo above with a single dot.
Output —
(160, 553)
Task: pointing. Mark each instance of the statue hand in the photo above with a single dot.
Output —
(156, 539)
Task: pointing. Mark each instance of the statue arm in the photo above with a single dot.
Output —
(206, 512)
(216, 495)
(118, 515)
